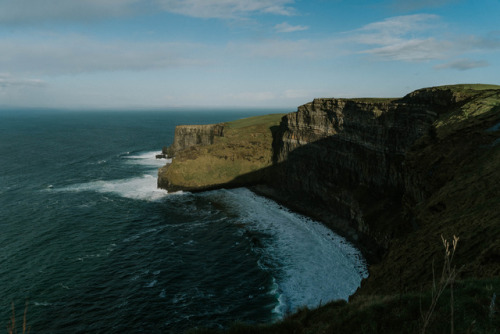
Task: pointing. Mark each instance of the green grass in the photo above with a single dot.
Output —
(372, 99)
(263, 122)
(233, 159)
(461, 87)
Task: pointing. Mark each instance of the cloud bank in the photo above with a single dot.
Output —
(227, 8)
(417, 38)
(285, 28)
(463, 64)
(76, 54)
(36, 11)
(7, 80)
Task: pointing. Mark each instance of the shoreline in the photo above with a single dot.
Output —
(371, 255)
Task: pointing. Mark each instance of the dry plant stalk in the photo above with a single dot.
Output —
(448, 276)
(12, 328)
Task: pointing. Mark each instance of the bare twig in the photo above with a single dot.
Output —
(448, 276)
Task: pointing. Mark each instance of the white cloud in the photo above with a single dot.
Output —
(227, 8)
(33, 11)
(394, 29)
(415, 38)
(30, 11)
(413, 50)
(73, 54)
(286, 49)
(462, 64)
(7, 81)
(285, 27)
(404, 38)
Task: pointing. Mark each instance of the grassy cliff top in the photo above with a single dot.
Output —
(259, 123)
(461, 87)
(237, 158)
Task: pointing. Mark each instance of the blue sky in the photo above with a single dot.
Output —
(238, 53)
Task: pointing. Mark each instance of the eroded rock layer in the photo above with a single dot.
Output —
(191, 135)
(338, 154)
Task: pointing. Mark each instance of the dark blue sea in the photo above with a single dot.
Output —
(90, 245)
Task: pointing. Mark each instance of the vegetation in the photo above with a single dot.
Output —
(372, 99)
(245, 149)
(456, 170)
(12, 327)
(394, 313)
(449, 306)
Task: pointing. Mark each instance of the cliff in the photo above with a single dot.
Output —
(390, 174)
(345, 157)
(231, 154)
(186, 136)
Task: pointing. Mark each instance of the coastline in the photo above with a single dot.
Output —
(371, 253)
(393, 176)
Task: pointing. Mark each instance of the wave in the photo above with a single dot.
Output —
(309, 263)
(146, 159)
(142, 188)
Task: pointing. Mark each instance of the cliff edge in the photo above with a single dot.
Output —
(231, 154)
(392, 175)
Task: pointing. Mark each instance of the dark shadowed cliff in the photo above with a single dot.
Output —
(393, 175)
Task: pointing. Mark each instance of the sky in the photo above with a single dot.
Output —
(150, 54)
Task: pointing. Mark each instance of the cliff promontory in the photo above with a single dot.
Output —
(187, 136)
(392, 175)
(231, 154)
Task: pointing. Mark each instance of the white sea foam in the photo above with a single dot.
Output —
(310, 263)
(142, 187)
(147, 159)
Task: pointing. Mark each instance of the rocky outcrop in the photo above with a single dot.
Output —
(192, 135)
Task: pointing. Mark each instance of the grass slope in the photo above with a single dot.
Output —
(245, 149)
(457, 168)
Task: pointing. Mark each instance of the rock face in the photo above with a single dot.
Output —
(191, 135)
(339, 154)
(390, 174)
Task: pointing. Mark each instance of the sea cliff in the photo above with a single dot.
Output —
(230, 154)
(392, 175)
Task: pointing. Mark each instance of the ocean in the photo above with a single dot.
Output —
(90, 245)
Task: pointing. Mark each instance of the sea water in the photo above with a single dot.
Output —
(90, 244)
